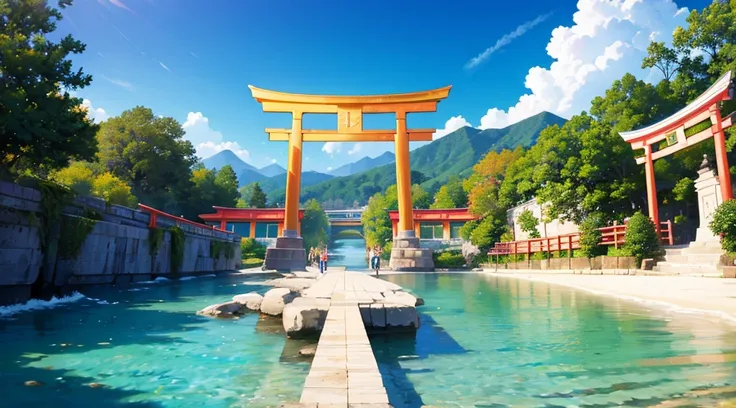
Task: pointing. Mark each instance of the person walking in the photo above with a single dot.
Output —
(323, 261)
(376, 260)
(369, 255)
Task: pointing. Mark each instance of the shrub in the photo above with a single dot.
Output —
(590, 237)
(386, 254)
(528, 223)
(613, 251)
(680, 219)
(78, 176)
(724, 224)
(641, 238)
(250, 248)
(252, 262)
(113, 190)
(448, 259)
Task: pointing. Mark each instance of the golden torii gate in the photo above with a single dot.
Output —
(289, 252)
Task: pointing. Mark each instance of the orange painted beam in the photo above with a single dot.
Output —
(265, 95)
(282, 135)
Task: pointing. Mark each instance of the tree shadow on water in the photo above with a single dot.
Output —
(392, 348)
(58, 388)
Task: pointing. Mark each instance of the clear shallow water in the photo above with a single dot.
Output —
(149, 349)
(500, 342)
(349, 253)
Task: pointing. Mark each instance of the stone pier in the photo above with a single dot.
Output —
(344, 372)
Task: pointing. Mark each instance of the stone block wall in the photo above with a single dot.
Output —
(117, 249)
(575, 264)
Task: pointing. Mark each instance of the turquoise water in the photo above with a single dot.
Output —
(500, 342)
(145, 347)
(349, 253)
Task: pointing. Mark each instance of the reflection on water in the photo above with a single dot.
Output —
(148, 350)
(500, 342)
(349, 253)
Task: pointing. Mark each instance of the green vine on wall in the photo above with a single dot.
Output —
(155, 237)
(54, 197)
(218, 248)
(74, 231)
(177, 249)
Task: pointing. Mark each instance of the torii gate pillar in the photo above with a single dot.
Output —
(289, 253)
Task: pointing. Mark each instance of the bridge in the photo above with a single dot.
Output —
(345, 223)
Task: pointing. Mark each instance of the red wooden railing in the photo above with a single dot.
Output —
(613, 235)
(179, 220)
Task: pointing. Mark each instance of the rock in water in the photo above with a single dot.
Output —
(33, 383)
(308, 351)
(305, 316)
(276, 299)
(420, 302)
(401, 298)
(252, 300)
(227, 309)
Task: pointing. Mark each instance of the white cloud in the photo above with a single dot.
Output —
(207, 149)
(119, 82)
(273, 160)
(206, 140)
(356, 148)
(164, 66)
(608, 39)
(455, 123)
(96, 114)
(505, 40)
(329, 169)
(332, 147)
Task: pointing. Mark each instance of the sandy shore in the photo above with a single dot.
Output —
(712, 296)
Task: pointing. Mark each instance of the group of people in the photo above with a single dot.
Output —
(318, 255)
(374, 257)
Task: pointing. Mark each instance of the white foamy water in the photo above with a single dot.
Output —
(186, 278)
(157, 280)
(36, 304)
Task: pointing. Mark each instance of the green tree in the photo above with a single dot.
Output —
(376, 222)
(419, 197)
(663, 58)
(641, 238)
(315, 225)
(528, 223)
(254, 196)
(227, 187)
(41, 126)
(113, 190)
(590, 236)
(150, 154)
(78, 176)
(451, 195)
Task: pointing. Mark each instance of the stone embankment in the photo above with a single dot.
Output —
(49, 245)
(302, 299)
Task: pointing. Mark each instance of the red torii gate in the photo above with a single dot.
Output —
(696, 122)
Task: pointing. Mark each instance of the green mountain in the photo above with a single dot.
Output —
(278, 182)
(454, 154)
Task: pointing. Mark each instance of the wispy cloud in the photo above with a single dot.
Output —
(120, 4)
(122, 35)
(193, 55)
(100, 54)
(119, 82)
(164, 66)
(506, 40)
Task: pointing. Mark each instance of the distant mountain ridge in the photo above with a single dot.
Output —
(364, 164)
(452, 155)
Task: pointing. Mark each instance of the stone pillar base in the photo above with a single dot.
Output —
(288, 255)
(406, 255)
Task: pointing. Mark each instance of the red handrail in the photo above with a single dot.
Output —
(612, 235)
(158, 213)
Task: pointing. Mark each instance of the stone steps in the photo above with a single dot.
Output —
(706, 259)
(684, 269)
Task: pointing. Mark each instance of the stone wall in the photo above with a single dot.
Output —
(575, 264)
(550, 229)
(116, 250)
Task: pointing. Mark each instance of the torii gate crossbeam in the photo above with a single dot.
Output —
(289, 253)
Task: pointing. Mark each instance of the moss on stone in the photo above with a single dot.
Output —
(155, 237)
(74, 231)
(54, 197)
(177, 249)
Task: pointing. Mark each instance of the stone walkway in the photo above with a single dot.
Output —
(344, 372)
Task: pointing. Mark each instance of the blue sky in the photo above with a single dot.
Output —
(192, 60)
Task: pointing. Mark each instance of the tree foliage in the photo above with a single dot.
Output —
(252, 196)
(451, 195)
(315, 225)
(113, 190)
(42, 127)
(376, 222)
(641, 238)
(528, 223)
(150, 154)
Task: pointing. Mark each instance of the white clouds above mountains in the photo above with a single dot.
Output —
(206, 140)
(332, 147)
(453, 124)
(608, 39)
